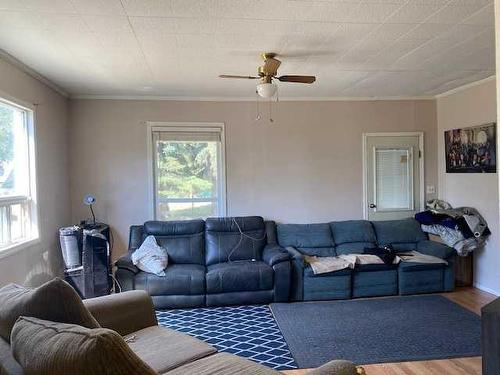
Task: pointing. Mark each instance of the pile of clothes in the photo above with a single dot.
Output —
(462, 228)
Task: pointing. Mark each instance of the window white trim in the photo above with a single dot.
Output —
(219, 127)
(420, 136)
(32, 197)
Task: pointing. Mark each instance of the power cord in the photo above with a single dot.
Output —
(242, 235)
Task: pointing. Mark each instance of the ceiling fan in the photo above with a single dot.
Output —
(268, 72)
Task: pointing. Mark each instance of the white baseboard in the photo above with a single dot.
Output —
(486, 289)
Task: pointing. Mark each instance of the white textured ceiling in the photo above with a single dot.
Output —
(177, 48)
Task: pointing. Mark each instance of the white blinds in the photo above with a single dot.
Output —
(393, 171)
(179, 136)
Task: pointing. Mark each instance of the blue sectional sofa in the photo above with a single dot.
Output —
(243, 260)
(348, 237)
(220, 261)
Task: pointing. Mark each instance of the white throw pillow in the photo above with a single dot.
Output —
(151, 257)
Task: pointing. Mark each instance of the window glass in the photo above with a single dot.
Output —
(17, 203)
(392, 179)
(188, 181)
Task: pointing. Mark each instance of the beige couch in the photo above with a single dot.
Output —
(132, 315)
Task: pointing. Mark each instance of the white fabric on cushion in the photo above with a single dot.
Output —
(151, 257)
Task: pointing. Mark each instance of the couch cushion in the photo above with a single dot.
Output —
(184, 240)
(414, 267)
(375, 267)
(398, 231)
(226, 243)
(8, 364)
(223, 364)
(308, 272)
(353, 247)
(164, 349)
(436, 249)
(352, 231)
(310, 239)
(240, 276)
(179, 279)
(55, 300)
(48, 348)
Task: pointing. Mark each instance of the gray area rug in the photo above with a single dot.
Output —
(381, 330)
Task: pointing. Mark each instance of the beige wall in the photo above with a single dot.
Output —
(305, 167)
(40, 262)
(473, 106)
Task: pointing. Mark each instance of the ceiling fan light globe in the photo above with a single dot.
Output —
(267, 90)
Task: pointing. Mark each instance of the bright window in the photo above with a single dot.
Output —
(188, 172)
(18, 222)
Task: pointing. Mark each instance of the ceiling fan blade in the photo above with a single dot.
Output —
(243, 77)
(297, 79)
(271, 66)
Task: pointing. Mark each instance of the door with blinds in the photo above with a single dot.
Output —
(393, 167)
(188, 172)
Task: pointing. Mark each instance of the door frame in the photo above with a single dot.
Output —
(420, 136)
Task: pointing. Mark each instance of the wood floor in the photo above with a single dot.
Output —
(470, 298)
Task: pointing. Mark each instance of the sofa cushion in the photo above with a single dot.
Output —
(398, 231)
(352, 231)
(414, 267)
(164, 349)
(375, 267)
(240, 276)
(8, 364)
(184, 240)
(226, 243)
(179, 279)
(353, 247)
(48, 348)
(223, 364)
(436, 249)
(55, 300)
(308, 272)
(310, 239)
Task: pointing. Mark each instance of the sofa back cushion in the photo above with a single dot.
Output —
(402, 234)
(309, 239)
(44, 347)
(55, 300)
(234, 238)
(183, 240)
(353, 236)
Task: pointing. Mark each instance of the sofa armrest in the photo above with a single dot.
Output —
(436, 249)
(297, 257)
(125, 262)
(336, 367)
(274, 254)
(125, 312)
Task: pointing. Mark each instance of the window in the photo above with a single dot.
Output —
(17, 176)
(188, 172)
(393, 173)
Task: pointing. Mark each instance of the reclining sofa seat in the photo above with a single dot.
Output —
(210, 263)
(184, 282)
(242, 268)
(312, 240)
(349, 237)
(414, 278)
(369, 280)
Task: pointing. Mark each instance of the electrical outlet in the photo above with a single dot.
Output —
(431, 189)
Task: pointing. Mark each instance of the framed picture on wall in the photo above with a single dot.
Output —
(471, 150)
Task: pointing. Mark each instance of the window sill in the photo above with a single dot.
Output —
(16, 247)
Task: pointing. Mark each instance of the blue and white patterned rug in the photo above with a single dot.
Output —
(247, 331)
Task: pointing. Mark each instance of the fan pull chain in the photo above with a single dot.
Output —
(257, 115)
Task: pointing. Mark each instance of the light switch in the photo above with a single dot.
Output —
(431, 189)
